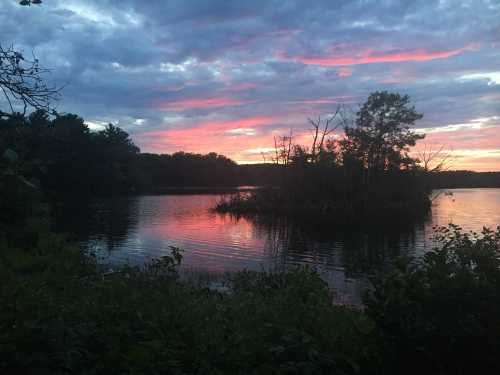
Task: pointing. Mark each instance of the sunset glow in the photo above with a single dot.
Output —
(370, 56)
(229, 77)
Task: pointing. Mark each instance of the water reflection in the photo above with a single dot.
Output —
(137, 229)
(101, 223)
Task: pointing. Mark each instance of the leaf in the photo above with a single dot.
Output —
(8, 172)
(364, 324)
(27, 183)
(10, 155)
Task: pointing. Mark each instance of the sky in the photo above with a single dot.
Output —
(227, 76)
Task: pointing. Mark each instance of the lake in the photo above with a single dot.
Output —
(136, 229)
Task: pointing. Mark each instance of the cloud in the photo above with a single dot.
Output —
(326, 100)
(493, 78)
(213, 75)
(205, 133)
(241, 131)
(371, 56)
(344, 71)
(200, 103)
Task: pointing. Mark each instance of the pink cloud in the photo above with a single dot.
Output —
(200, 103)
(344, 71)
(370, 56)
(242, 86)
(218, 136)
(480, 139)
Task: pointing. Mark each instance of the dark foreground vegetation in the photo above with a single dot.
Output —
(62, 313)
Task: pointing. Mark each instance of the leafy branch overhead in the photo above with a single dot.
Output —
(22, 83)
(30, 2)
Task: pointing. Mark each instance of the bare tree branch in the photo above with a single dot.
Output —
(435, 160)
(283, 147)
(22, 83)
(322, 129)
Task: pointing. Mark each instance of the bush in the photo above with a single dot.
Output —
(441, 314)
(62, 314)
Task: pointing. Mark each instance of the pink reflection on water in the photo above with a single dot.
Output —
(469, 208)
(214, 242)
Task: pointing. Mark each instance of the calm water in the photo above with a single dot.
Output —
(137, 229)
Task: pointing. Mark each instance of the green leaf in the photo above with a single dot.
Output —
(10, 155)
(27, 183)
(364, 324)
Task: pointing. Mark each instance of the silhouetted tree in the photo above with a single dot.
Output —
(381, 137)
(321, 131)
(283, 147)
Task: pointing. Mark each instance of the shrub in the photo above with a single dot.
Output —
(441, 314)
(61, 314)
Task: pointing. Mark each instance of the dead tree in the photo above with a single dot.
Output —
(283, 148)
(322, 129)
(22, 84)
(434, 160)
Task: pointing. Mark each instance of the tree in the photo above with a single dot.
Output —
(381, 137)
(283, 146)
(117, 141)
(22, 84)
(321, 130)
(115, 155)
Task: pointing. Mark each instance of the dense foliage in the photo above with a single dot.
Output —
(64, 156)
(184, 170)
(382, 136)
(440, 315)
(62, 313)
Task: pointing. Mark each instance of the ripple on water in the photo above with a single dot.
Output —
(137, 229)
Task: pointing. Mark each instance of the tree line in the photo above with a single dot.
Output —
(61, 155)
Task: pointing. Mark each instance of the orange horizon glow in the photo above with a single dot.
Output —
(476, 149)
(244, 142)
(230, 137)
